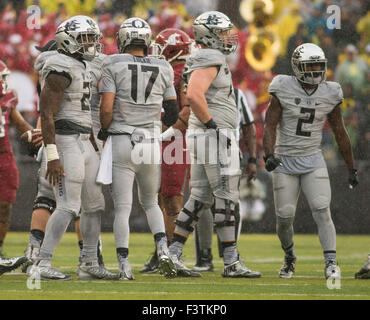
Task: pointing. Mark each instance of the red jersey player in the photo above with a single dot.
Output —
(8, 168)
(174, 45)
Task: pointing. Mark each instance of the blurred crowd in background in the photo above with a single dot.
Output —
(268, 33)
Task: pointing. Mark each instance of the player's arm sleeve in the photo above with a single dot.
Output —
(246, 116)
(171, 112)
(107, 79)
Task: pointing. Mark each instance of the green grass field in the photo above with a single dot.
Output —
(260, 252)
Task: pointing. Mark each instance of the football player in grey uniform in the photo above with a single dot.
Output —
(71, 150)
(133, 88)
(211, 139)
(204, 229)
(44, 204)
(96, 72)
(297, 112)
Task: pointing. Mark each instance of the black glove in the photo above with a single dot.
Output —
(272, 162)
(352, 178)
(212, 125)
(103, 134)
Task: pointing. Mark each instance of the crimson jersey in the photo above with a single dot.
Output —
(175, 177)
(7, 103)
(177, 69)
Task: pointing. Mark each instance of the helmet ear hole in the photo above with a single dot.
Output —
(66, 42)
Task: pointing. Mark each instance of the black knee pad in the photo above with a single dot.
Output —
(44, 203)
(226, 208)
(192, 216)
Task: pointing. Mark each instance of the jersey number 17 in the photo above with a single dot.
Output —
(134, 79)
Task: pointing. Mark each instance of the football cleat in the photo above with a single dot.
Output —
(167, 267)
(332, 270)
(288, 267)
(46, 272)
(91, 270)
(125, 271)
(182, 270)
(203, 266)
(9, 264)
(152, 265)
(364, 272)
(204, 262)
(32, 252)
(239, 270)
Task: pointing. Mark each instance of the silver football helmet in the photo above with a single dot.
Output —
(309, 63)
(79, 34)
(213, 29)
(134, 31)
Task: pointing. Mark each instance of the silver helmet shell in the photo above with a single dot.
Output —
(210, 28)
(134, 31)
(305, 55)
(79, 34)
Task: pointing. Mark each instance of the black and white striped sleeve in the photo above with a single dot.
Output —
(245, 113)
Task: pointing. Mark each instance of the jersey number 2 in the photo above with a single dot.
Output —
(134, 70)
(299, 131)
(85, 97)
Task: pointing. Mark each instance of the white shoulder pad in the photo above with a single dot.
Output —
(41, 59)
(278, 83)
(335, 92)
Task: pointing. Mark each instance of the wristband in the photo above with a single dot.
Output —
(29, 136)
(252, 160)
(51, 152)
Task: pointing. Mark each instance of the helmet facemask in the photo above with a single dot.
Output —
(156, 51)
(228, 41)
(89, 45)
(312, 72)
(3, 82)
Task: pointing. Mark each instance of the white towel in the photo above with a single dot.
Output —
(39, 153)
(105, 169)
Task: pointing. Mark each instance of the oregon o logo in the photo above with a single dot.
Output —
(138, 24)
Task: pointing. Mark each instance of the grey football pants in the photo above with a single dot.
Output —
(316, 188)
(77, 190)
(148, 178)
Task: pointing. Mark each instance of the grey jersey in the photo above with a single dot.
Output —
(74, 112)
(39, 64)
(299, 131)
(96, 72)
(140, 84)
(41, 60)
(220, 94)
